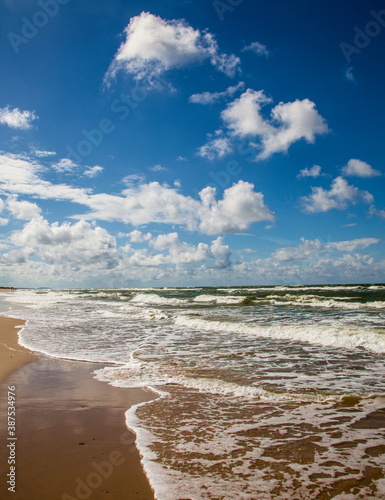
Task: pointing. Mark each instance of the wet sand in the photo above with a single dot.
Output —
(72, 442)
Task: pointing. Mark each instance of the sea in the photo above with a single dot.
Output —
(262, 393)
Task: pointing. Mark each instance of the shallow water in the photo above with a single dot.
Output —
(266, 392)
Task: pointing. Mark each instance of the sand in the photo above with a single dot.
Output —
(72, 442)
(12, 355)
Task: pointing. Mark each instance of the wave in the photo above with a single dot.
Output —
(313, 334)
(219, 299)
(317, 301)
(153, 298)
(138, 374)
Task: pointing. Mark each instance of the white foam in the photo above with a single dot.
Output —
(153, 298)
(218, 299)
(316, 301)
(315, 334)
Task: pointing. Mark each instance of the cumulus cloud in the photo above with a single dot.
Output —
(182, 253)
(287, 124)
(69, 245)
(258, 48)
(305, 250)
(340, 195)
(23, 210)
(309, 249)
(16, 118)
(153, 202)
(142, 203)
(240, 207)
(212, 97)
(243, 116)
(154, 45)
(221, 252)
(314, 171)
(359, 168)
(3, 221)
(138, 237)
(217, 147)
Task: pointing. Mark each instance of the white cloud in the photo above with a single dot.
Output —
(212, 97)
(295, 120)
(307, 249)
(240, 207)
(180, 252)
(154, 45)
(3, 221)
(340, 195)
(139, 237)
(217, 147)
(158, 168)
(310, 249)
(243, 117)
(43, 154)
(142, 258)
(374, 211)
(21, 175)
(23, 210)
(16, 118)
(221, 252)
(359, 168)
(93, 171)
(353, 245)
(152, 202)
(16, 169)
(257, 48)
(314, 171)
(288, 123)
(142, 203)
(69, 245)
(64, 165)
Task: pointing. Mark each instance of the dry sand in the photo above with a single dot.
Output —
(72, 442)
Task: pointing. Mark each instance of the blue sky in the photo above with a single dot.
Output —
(191, 143)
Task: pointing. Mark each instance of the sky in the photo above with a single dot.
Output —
(191, 143)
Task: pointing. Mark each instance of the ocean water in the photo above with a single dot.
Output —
(263, 393)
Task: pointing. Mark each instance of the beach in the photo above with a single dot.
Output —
(72, 441)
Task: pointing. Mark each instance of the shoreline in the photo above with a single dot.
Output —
(72, 439)
(12, 355)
